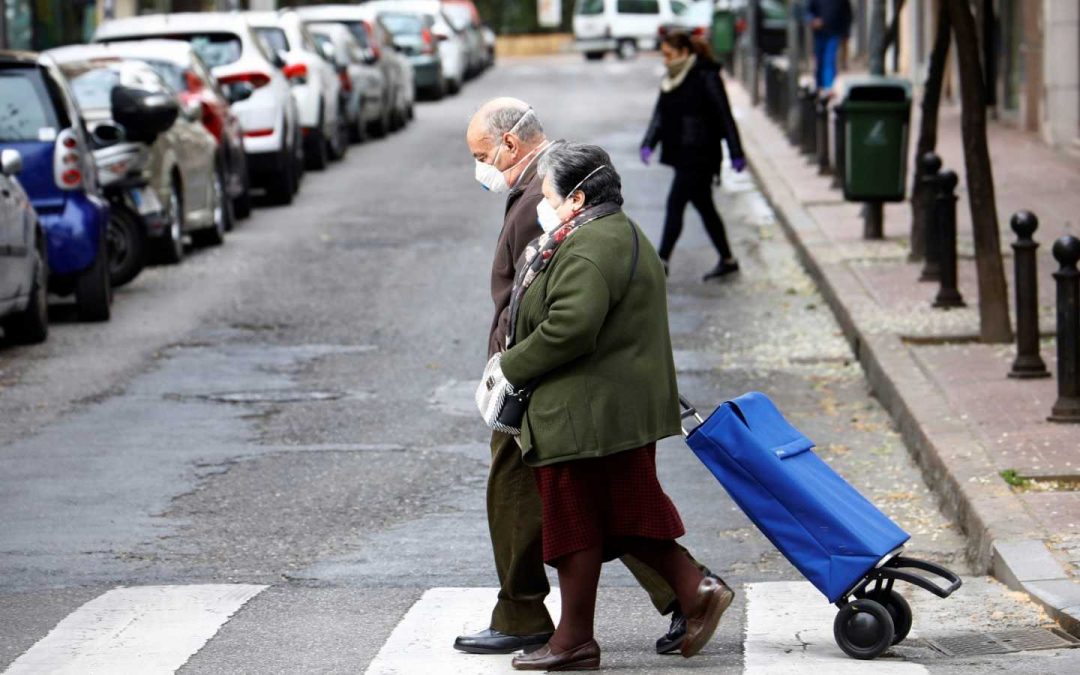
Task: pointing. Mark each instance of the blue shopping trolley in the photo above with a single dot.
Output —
(840, 542)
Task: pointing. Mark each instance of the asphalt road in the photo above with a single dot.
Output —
(293, 412)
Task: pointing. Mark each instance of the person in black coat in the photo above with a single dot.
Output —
(691, 119)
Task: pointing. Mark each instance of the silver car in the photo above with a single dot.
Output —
(366, 99)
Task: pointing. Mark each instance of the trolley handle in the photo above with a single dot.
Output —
(894, 570)
(688, 411)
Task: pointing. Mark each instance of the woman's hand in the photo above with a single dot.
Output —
(646, 154)
(739, 164)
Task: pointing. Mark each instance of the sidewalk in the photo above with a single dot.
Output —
(963, 419)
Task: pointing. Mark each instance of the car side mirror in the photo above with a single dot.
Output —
(278, 59)
(238, 91)
(105, 134)
(327, 51)
(144, 115)
(371, 57)
(10, 162)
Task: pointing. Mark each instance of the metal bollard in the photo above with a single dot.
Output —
(807, 121)
(1067, 407)
(931, 167)
(1028, 363)
(948, 294)
(839, 159)
(821, 119)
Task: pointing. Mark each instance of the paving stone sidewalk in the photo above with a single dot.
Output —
(966, 423)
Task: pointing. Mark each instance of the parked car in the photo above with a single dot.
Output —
(365, 97)
(182, 170)
(201, 96)
(315, 84)
(412, 35)
(696, 19)
(24, 268)
(39, 119)
(465, 20)
(772, 23)
(621, 26)
(251, 76)
(490, 40)
(363, 22)
(452, 48)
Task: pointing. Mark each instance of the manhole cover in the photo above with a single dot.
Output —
(274, 396)
(1002, 642)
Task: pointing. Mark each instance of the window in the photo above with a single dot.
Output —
(402, 24)
(678, 8)
(359, 31)
(274, 39)
(590, 7)
(92, 88)
(638, 7)
(25, 108)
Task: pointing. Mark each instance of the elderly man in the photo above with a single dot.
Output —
(505, 138)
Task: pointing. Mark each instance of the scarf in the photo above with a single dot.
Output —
(539, 252)
(677, 72)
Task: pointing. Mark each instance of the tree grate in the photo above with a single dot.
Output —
(1002, 642)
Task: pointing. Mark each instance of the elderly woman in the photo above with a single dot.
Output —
(589, 333)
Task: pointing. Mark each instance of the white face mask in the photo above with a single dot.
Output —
(488, 175)
(546, 213)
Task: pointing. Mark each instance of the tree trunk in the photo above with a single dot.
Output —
(994, 325)
(935, 78)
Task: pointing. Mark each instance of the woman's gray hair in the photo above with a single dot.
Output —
(501, 120)
(570, 163)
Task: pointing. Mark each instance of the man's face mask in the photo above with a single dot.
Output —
(489, 175)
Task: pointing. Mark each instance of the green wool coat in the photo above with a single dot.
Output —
(599, 342)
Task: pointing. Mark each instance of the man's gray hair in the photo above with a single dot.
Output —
(571, 163)
(502, 119)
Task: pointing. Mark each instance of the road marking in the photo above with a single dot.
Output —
(789, 630)
(423, 642)
(144, 630)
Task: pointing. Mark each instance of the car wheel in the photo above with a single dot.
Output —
(222, 210)
(453, 86)
(93, 290)
(169, 248)
(241, 204)
(358, 133)
(626, 49)
(281, 185)
(31, 325)
(594, 56)
(438, 91)
(315, 155)
(340, 143)
(126, 243)
(381, 126)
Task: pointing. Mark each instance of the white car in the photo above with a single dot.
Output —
(263, 100)
(315, 84)
(366, 99)
(621, 26)
(453, 49)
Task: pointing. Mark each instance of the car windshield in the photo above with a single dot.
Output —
(590, 7)
(699, 13)
(216, 49)
(25, 109)
(274, 38)
(321, 40)
(402, 24)
(170, 72)
(92, 88)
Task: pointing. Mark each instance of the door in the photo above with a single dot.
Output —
(12, 248)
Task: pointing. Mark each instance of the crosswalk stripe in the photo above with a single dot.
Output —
(144, 630)
(789, 630)
(423, 641)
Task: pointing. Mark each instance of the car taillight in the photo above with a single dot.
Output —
(296, 73)
(192, 82)
(429, 41)
(662, 31)
(255, 133)
(67, 161)
(254, 78)
(699, 31)
(372, 41)
(740, 25)
(346, 83)
(212, 120)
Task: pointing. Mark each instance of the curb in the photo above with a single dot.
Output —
(1003, 539)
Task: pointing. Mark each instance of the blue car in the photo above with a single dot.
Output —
(39, 119)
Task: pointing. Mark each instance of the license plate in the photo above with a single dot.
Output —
(146, 200)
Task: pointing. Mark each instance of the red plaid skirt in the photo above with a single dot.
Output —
(598, 502)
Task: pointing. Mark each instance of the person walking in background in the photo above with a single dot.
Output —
(506, 140)
(691, 118)
(831, 23)
(588, 329)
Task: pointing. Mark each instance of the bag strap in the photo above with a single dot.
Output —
(634, 256)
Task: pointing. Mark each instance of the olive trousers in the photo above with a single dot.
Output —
(514, 521)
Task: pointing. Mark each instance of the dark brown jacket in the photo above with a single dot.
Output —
(519, 228)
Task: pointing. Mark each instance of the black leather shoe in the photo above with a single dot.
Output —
(672, 640)
(490, 641)
(723, 268)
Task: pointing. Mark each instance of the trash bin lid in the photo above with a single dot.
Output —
(876, 88)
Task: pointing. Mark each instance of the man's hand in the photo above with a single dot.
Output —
(646, 154)
(817, 23)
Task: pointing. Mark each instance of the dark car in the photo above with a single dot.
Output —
(24, 269)
(39, 119)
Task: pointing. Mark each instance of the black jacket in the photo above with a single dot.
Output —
(690, 122)
(836, 14)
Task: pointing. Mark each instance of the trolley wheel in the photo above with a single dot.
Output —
(898, 608)
(863, 629)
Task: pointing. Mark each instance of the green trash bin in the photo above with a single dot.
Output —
(877, 114)
(723, 32)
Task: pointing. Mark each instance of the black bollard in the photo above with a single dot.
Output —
(1028, 363)
(945, 217)
(1067, 407)
(807, 121)
(839, 146)
(821, 119)
(931, 172)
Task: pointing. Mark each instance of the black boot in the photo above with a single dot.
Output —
(723, 268)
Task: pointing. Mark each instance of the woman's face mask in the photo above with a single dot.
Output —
(490, 176)
(551, 217)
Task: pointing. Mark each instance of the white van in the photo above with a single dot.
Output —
(621, 26)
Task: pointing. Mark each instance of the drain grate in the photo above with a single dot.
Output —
(1002, 642)
(274, 396)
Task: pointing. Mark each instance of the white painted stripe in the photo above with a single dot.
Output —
(789, 630)
(424, 640)
(144, 630)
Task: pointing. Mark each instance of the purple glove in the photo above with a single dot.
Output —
(646, 154)
(739, 164)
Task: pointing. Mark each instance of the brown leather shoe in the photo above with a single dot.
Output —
(713, 597)
(583, 657)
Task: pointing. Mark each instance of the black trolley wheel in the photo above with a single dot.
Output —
(863, 629)
(898, 608)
